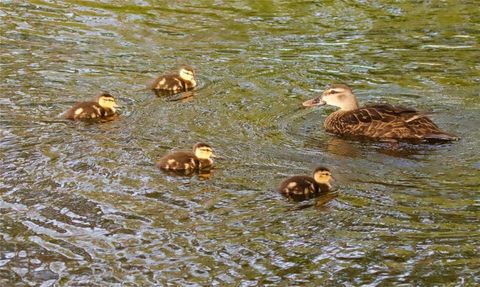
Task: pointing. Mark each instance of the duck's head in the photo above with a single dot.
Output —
(107, 101)
(187, 73)
(322, 175)
(338, 95)
(203, 151)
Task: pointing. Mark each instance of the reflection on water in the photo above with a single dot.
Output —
(83, 204)
(202, 174)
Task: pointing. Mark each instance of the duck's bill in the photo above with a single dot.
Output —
(314, 102)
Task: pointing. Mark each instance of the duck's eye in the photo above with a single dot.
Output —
(333, 92)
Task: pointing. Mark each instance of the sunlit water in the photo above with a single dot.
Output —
(84, 205)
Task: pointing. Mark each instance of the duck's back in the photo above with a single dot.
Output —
(88, 111)
(384, 121)
(299, 188)
(168, 83)
(180, 160)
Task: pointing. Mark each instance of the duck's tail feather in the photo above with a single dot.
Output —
(440, 137)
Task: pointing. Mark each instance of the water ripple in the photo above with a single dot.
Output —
(83, 204)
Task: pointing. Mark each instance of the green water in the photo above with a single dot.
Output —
(83, 205)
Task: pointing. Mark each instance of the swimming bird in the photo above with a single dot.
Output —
(200, 158)
(300, 188)
(169, 84)
(383, 122)
(104, 107)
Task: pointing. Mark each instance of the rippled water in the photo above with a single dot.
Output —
(83, 204)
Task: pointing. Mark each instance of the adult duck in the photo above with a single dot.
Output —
(383, 122)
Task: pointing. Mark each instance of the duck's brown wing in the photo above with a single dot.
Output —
(89, 111)
(83, 111)
(168, 84)
(385, 121)
(180, 160)
(299, 188)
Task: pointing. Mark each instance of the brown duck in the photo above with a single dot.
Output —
(102, 108)
(300, 188)
(183, 80)
(382, 122)
(200, 158)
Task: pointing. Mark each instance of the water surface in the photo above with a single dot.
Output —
(83, 204)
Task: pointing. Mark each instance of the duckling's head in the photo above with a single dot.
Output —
(322, 175)
(107, 101)
(187, 73)
(338, 95)
(203, 151)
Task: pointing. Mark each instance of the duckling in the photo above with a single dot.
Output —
(200, 158)
(383, 122)
(103, 108)
(300, 188)
(182, 81)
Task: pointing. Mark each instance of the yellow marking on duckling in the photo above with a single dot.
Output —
(171, 161)
(204, 153)
(178, 85)
(161, 83)
(291, 185)
(93, 115)
(186, 166)
(323, 177)
(97, 109)
(192, 83)
(78, 111)
(306, 191)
